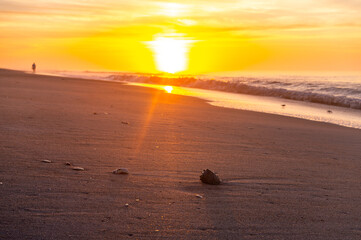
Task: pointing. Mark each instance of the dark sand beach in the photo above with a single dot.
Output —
(283, 178)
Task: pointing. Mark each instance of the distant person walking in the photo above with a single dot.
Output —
(33, 67)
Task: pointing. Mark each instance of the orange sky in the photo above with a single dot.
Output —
(227, 35)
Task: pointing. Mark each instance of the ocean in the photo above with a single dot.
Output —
(325, 97)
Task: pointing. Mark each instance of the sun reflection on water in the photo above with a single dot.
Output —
(168, 89)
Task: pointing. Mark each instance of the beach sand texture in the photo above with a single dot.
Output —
(283, 178)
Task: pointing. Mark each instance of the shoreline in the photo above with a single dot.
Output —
(259, 86)
(283, 177)
(317, 112)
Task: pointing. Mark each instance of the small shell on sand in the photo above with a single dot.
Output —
(210, 177)
(46, 161)
(78, 169)
(121, 171)
(199, 196)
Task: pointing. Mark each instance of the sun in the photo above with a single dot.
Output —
(171, 54)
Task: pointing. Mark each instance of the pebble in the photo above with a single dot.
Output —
(78, 168)
(210, 177)
(123, 122)
(121, 171)
(126, 205)
(68, 163)
(199, 196)
(46, 161)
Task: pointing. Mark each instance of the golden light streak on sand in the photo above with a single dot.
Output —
(145, 127)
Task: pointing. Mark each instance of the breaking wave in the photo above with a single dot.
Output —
(343, 91)
(336, 91)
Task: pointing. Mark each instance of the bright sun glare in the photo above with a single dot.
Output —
(168, 89)
(170, 54)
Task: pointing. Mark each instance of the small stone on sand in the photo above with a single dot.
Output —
(46, 161)
(199, 196)
(78, 168)
(123, 122)
(126, 205)
(121, 171)
(210, 177)
(68, 163)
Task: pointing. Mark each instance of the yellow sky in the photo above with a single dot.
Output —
(227, 35)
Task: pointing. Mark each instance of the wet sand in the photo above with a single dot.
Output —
(284, 178)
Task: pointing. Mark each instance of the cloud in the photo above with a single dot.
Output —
(208, 18)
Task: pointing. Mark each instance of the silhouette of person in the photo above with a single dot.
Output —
(33, 67)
